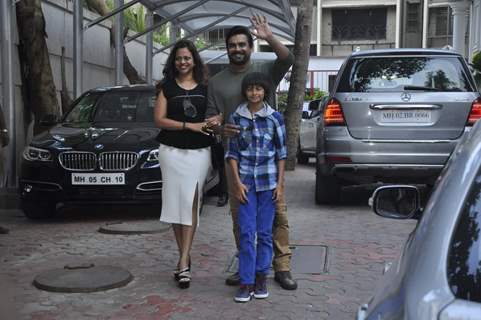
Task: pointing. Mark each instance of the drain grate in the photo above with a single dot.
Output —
(311, 259)
(306, 259)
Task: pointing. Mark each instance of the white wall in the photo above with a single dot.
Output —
(475, 27)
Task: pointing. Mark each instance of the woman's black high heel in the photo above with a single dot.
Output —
(177, 272)
(184, 278)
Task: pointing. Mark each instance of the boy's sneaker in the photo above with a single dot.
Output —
(260, 291)
(244, 293)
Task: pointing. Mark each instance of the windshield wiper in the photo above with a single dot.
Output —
(421, 88)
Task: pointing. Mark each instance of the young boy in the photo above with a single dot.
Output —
(256, 159)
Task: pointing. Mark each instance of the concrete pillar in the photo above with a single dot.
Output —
(172, 32)
(119, 43)
(77, 48)
(460, 11)
(149, 47)
(398, 24)
(7, 11)
(319, 28)
(425, 22)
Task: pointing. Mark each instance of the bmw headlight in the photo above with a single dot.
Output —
(153, 156)
(36, 154)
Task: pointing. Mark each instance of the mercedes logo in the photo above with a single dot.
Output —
(405, 97)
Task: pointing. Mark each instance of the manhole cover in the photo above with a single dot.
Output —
(308, 259)
(134, 227)
(82, 278)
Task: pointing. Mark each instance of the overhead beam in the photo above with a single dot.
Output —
(111, 13)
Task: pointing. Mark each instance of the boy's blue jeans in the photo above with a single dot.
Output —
(256, 216)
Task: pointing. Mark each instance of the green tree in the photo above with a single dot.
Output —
(477, 68)
(134, 18)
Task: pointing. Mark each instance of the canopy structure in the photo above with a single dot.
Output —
(206, 15)
(192, 16)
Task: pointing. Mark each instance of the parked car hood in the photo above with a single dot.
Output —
(111, 136)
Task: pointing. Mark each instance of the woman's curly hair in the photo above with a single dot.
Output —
(170, 71)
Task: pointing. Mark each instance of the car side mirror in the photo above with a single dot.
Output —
(305, 115)
(396, 202)
(313, 105)
(48, 120)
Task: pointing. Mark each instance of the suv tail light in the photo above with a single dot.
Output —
(475, 113)
(333, 114)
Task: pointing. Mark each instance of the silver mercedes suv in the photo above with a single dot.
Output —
(393, 116)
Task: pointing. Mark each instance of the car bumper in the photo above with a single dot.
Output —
(352, 158)
(48, 183)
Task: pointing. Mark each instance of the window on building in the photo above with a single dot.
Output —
(441, 21)
(412, 17)
(215, 36)
(359, 24)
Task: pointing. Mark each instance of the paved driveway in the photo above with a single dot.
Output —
(359, 243)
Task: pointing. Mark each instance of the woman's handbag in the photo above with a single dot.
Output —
(217, 154)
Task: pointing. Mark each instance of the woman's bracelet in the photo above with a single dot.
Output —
(183, 125)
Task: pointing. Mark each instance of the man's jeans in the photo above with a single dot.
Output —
(255, 217)
(282, 252)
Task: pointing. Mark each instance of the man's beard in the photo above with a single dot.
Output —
(239, 60)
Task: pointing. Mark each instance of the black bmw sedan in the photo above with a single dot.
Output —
(103, 150)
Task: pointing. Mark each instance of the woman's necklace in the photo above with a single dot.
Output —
(189, 109)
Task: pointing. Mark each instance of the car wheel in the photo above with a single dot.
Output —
(328, 189)
(34, 210)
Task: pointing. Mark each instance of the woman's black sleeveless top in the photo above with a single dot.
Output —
(185, 106)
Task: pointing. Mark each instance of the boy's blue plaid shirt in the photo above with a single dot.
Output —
(259, 145)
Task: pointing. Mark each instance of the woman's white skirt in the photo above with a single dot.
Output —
(182, 171)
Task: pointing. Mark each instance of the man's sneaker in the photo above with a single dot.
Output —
(260, 291)
(233, 279)
(244, 293)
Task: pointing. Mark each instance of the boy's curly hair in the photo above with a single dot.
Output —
(256, 79)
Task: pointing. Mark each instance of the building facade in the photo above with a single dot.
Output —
(342, 26)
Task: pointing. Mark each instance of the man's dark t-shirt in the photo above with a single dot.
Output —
(224, 89)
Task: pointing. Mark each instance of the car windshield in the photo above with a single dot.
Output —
(368, 74)
(114, 106)
(83, 110)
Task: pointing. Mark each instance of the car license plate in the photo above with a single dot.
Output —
(98, 178)
(406, 116)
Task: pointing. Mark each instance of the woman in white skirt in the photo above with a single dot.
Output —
(184, 151)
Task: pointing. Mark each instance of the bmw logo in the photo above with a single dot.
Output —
(405, 96)
(99, 146)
